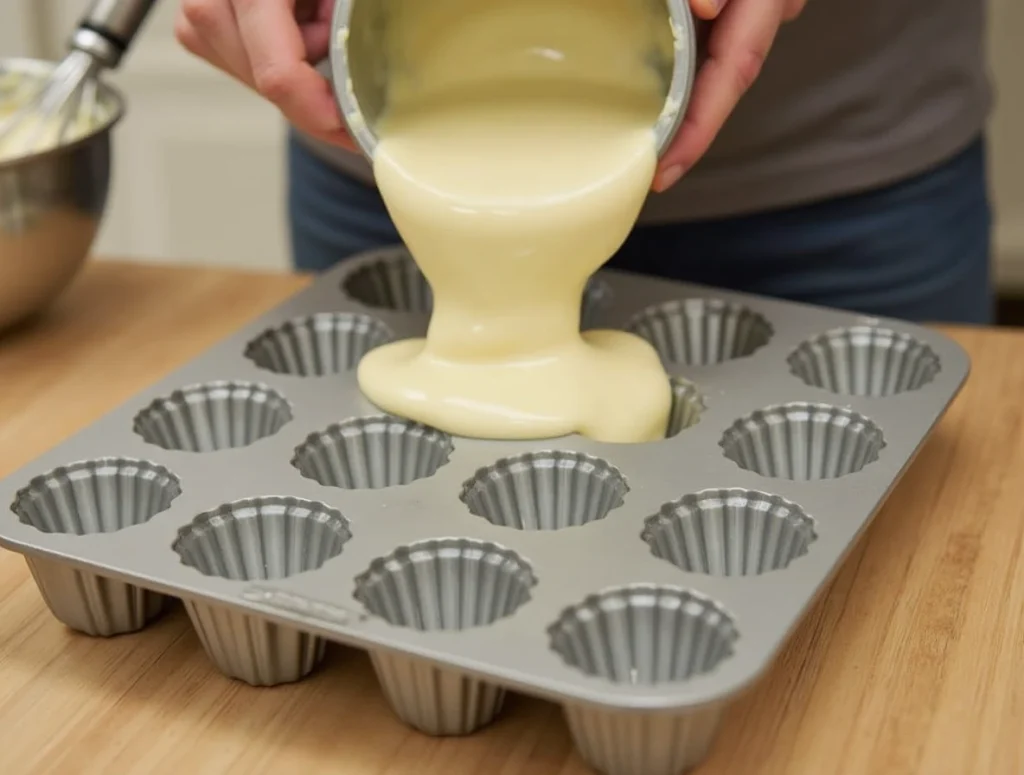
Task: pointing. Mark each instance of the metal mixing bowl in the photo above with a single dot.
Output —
(51, 206)
(359, 67)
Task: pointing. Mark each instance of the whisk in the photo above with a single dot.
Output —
(48, 109)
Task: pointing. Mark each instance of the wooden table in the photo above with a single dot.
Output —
(913, 662)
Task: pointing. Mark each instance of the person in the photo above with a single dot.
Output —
(833, 152)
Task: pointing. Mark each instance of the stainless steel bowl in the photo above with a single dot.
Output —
(359, 67)
(51, 206)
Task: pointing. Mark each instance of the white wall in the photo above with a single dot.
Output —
(200, 169)
(17, 36)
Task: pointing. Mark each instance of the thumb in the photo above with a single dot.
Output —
(707, 9)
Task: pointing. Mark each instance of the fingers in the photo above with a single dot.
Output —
(707, 9)
(739, 42)
(260, 43)
(277, 54)
(209, 30)
(315, 23)
(189, 38)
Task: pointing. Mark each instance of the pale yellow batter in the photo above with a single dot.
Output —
(36, 131)
(515, 155)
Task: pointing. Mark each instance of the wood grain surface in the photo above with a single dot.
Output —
(913, 662)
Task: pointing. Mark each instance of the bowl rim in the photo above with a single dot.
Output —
(682, 24)
(43, 67)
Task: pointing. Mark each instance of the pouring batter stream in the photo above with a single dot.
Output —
(514, 157)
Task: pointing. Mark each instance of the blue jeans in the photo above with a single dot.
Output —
(918, 250)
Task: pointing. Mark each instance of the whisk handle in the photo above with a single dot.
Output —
(116, 22)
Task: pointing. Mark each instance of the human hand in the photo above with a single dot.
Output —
(741, 35)
(270, 46)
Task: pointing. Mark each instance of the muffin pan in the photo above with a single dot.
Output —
(641, 586)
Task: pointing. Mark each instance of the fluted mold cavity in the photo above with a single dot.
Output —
(372, 453)
(687, 406)
(213, 416)
(865, 361)
(729, 532)
(393, 282)
(263, 538)
(259, 539)
(103, 495)
(442, 584)
(318, 345)
(644, 634)
(93, 497)
(547, 490)
(803, 441)
(701, 332)
(446, 584)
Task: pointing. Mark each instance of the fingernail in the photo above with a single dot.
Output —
(710, 8)
(668, 178)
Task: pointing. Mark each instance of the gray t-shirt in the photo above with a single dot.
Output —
(855, 94)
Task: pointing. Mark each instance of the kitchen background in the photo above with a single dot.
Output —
(186, 123)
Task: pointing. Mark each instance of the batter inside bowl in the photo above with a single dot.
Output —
(35, 131)
(514, 157)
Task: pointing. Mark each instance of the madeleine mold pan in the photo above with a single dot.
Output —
(642, 587)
